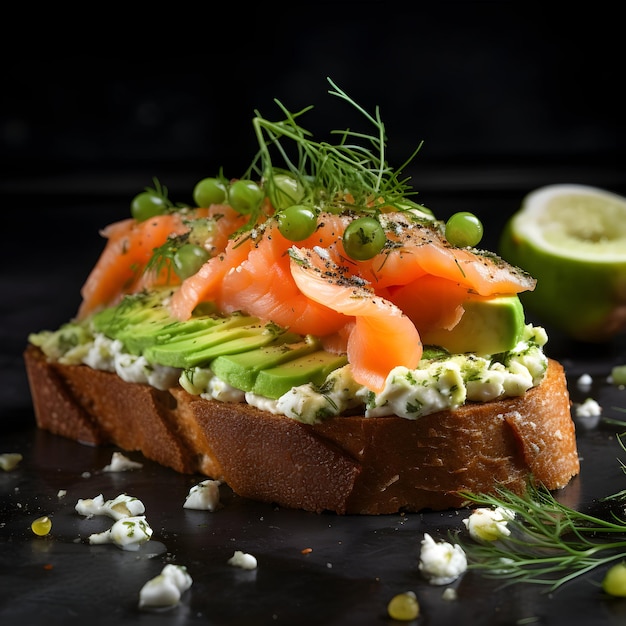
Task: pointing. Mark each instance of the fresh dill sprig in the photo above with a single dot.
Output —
(620, 495)
(615, 422)
(162, 259)
(550, 543)
(352, 173)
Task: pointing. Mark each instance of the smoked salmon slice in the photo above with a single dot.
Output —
(253, 275)
(121, 268)
(419, 248)
(128, 249)
(431, 302)
(240, 277)
(381, 338)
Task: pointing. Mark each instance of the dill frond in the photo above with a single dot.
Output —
(550, 543)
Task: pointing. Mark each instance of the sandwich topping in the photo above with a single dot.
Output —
(315, 289)
(440, 381)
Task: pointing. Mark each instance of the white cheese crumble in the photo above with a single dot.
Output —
(202, 382)
(10, 460)
(441, 562)
(449, 594)
(119, 508)
(165, 590)
(262, 403)
(489, 524)
(243, 560)
(121, 463)
(128, 533)
(584, 382)
(108, 355)
(589, 408)
(306, 403)
(223, 392)
(204, 496)
(100, 355)
(437, 386)
(136, 369)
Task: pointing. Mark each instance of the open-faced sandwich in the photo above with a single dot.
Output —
(311, 336)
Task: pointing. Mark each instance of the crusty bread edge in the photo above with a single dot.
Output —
(349, 465)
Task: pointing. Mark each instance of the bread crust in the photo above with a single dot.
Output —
(349, 465)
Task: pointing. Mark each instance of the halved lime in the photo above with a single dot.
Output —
(572, 239)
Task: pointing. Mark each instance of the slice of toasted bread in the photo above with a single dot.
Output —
(350, 464)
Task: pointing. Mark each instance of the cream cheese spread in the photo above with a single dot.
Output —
(436, 384)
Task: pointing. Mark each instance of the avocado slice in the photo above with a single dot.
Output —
(136, 318)
(141, 321)
(251, 356)
(241, 370)
(233, 334)
(310, 368)
(140, 337)
(488, 326)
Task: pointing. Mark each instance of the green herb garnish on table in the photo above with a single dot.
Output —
(550, 543)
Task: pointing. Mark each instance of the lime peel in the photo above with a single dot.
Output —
(576, 221)
(572, 239)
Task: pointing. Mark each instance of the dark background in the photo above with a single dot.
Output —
(493, 89)
(505, 97)
(95, 102)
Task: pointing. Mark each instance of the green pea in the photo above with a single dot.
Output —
(404, 607)
(209, 191)
(363, 238)
(464, 229)
(188, 259)
(297, 222)
(284, 191)
(614, 582)
(245, 196)
(146, 205)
